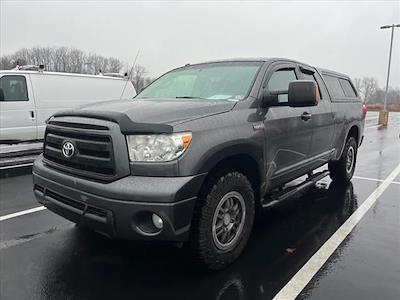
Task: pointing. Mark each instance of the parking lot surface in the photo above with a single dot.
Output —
(44, 256)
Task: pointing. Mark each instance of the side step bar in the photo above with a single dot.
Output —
(292, 190)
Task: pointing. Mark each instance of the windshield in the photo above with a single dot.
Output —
(216, 81)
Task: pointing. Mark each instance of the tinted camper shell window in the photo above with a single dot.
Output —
(340, 88)
(348, 88)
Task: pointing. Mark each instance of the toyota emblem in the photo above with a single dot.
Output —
(68, 149)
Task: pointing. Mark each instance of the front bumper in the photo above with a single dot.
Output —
(122, 208)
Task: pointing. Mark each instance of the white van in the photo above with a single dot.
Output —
(28, 98)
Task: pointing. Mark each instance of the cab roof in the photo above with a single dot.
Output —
(274, 59)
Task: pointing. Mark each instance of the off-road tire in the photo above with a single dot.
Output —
(338, 170)
(205, 252)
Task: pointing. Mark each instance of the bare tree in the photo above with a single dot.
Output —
(72, 60)
(369, 87)
(61, 59)
(358, 84)
(366, 87)
(6, 62)
(114, 65)
(138, 77)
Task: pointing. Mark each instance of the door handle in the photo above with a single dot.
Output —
(32, 114)
(305, 116)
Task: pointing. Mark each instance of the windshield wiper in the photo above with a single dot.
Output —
(189, 97)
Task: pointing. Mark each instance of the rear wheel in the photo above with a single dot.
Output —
(343, 169)
(223, 221)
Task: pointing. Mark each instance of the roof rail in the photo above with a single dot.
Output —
(117, 75)
(39, 68)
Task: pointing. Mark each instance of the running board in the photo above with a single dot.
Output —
(290, 191)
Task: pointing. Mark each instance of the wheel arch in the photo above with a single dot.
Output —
(352, 131)
(248, 162)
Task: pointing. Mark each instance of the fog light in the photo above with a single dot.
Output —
(157, 221)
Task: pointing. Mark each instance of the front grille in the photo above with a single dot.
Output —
(93, 156)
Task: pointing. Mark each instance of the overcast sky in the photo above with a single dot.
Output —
(341, 36)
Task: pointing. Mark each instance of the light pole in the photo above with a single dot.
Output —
(384, 115)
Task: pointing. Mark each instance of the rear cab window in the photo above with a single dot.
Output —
(334, 87)
(340, 88)
(13, 88)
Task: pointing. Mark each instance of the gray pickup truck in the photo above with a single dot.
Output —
(196, 155)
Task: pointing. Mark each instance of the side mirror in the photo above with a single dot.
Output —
(303, 93)
(1, 95)
(269, 100)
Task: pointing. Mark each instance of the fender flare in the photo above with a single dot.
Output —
(343, 143)
(228, 150)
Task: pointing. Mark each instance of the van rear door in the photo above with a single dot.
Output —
(17, 108)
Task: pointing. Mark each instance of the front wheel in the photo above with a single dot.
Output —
(223, 221)
(343, 169)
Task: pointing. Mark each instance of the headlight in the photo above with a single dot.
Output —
(157, 147)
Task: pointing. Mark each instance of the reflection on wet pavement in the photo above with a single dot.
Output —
(81, 264)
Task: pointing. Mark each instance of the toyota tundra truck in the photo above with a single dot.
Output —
(198, 153)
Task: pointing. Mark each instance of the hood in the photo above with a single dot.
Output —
(160, 111)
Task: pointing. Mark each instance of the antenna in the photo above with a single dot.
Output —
(129, 74)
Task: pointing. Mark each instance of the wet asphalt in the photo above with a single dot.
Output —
(43, 256)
